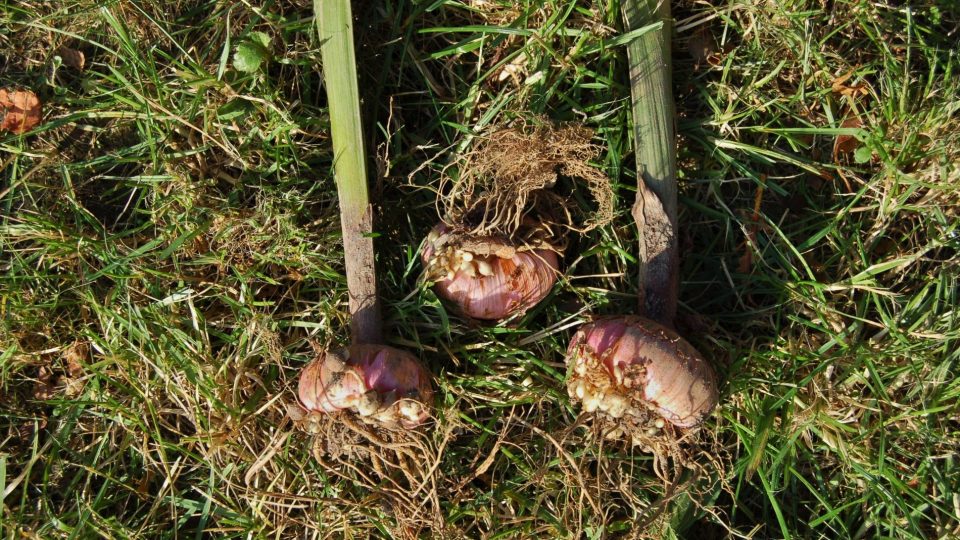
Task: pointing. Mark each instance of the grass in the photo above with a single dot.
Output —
(169, 251)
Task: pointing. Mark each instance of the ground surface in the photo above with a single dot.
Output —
(169, 251)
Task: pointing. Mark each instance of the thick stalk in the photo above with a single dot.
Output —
(335, 29)
(655, 209)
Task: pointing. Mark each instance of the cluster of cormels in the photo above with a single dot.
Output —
(629, 369)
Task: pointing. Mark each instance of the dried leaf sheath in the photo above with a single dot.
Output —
(655, 210)
(335, 29)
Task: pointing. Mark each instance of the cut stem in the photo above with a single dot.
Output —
(654, 139)
(335, 29)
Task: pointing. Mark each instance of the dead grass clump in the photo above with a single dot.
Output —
(249, 237)
(30, 44)
(613, 485)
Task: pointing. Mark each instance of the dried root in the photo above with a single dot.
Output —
(686, 463)
(506, 179)
(394, 465)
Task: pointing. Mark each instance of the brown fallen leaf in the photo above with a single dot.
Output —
(702, 46)
(74, 357)
(143, 487)
(839, 85)
(845, 145)
(20, 109)
(72, 57)
(45, 386)
(29, 428)
(704, 49)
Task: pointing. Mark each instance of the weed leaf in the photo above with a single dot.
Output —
(249, 56)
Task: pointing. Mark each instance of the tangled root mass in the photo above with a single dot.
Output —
(507, 177)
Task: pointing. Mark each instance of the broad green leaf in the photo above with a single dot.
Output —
(249, 56)
(261, 39)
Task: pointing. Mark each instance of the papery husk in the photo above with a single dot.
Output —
(380, 384)
(488, 278)
(390, 456)
(628, 365)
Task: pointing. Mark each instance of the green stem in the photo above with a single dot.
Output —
(335, 28)
(655, 209)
